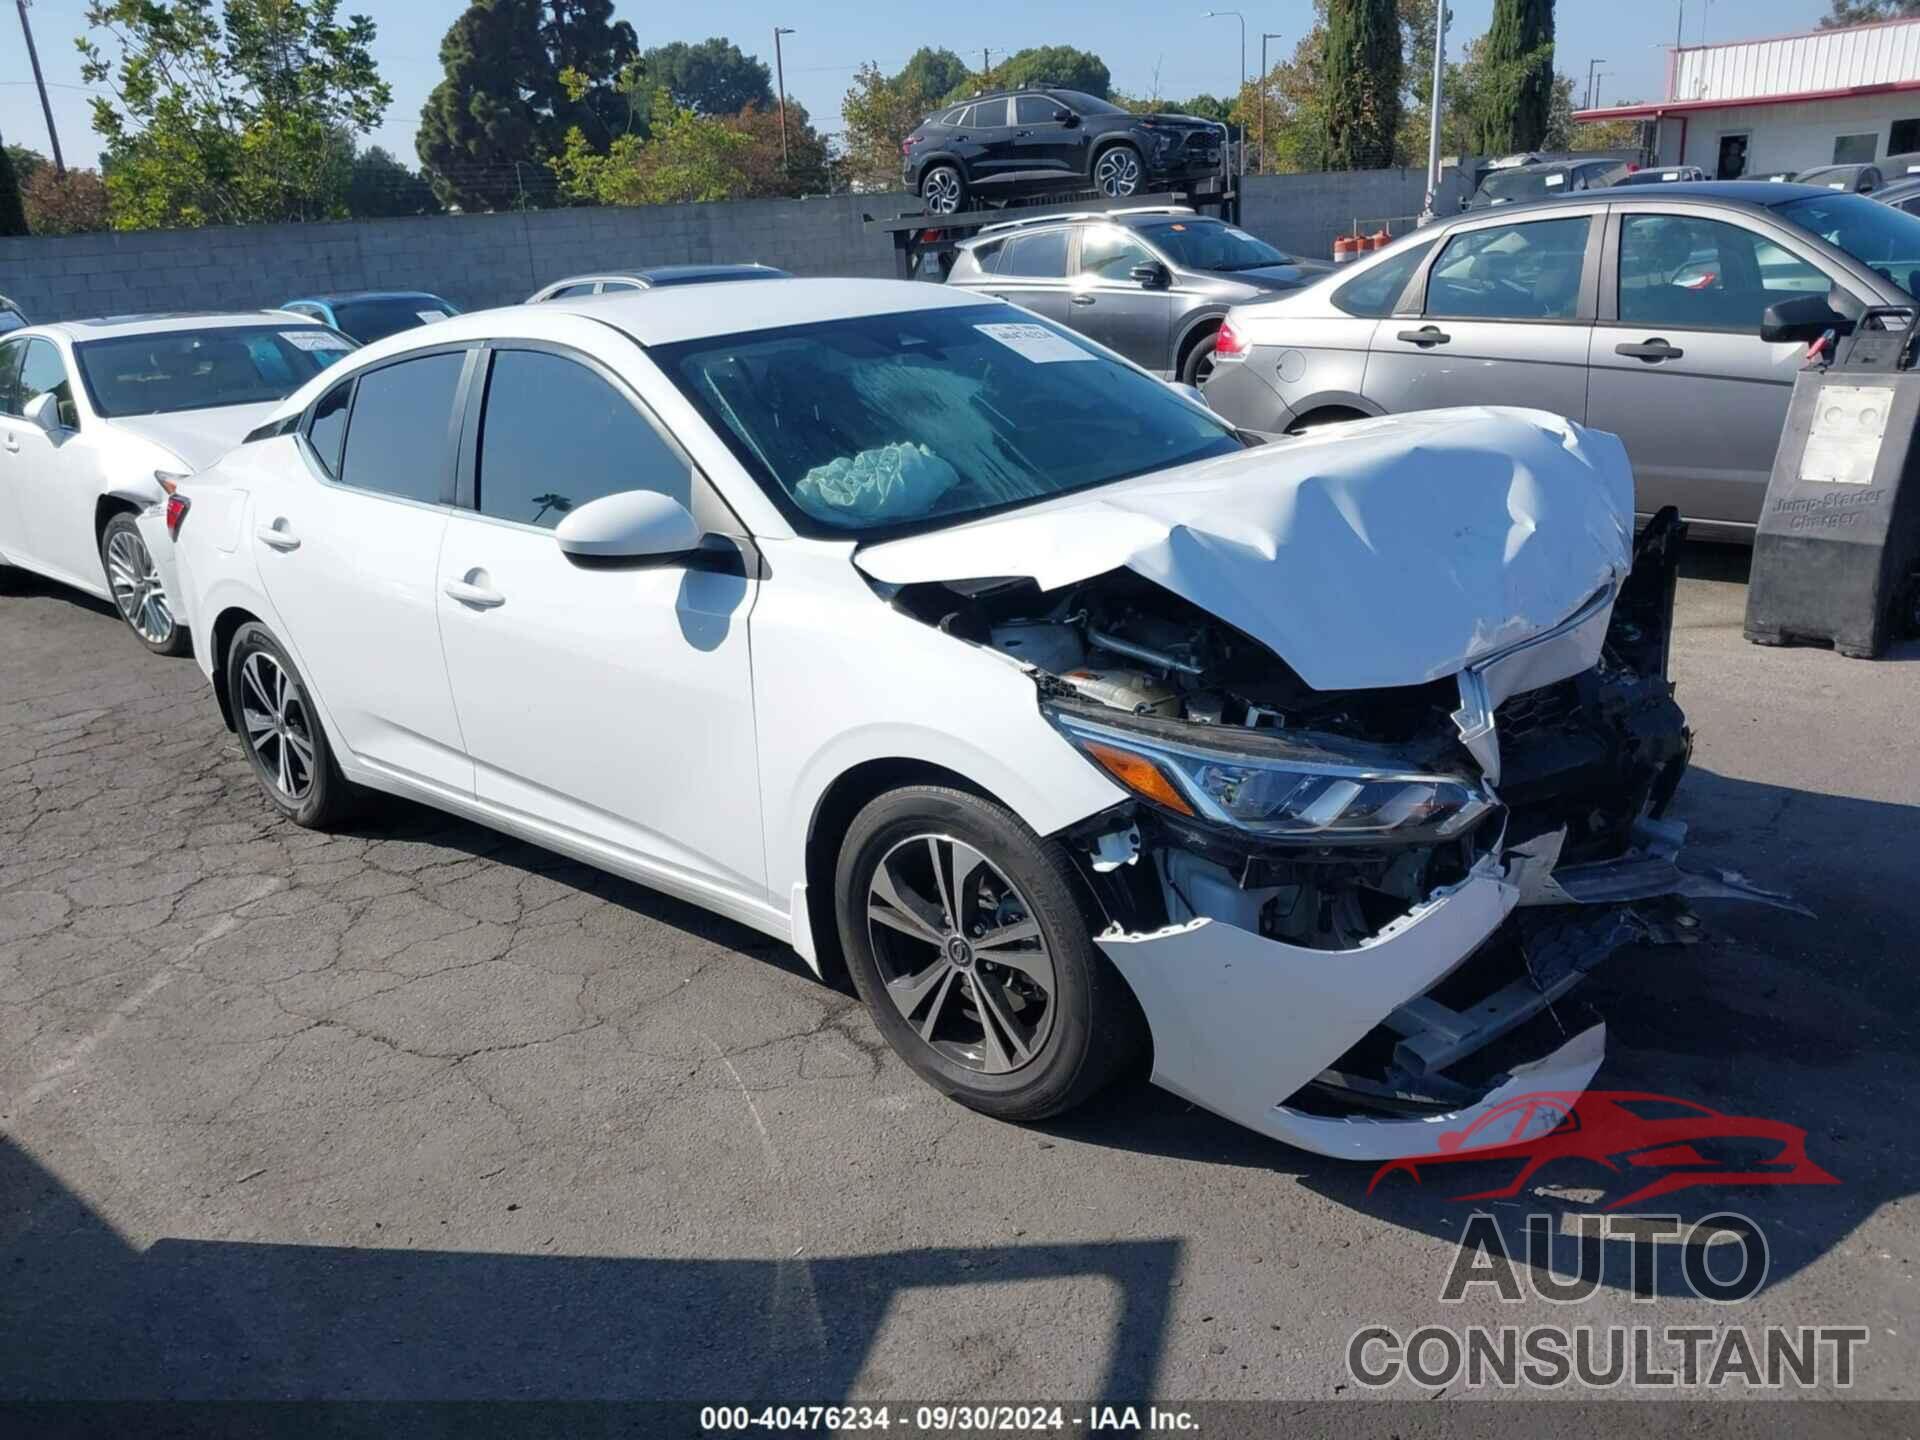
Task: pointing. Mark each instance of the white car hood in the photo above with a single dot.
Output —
(1377, 553)
(197, 437)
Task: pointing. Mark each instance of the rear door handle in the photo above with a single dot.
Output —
(1425, 336)
(277, 537)
(478, 596)
(1083, 299)
(1651, 351)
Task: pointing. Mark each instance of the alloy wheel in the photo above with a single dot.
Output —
(961, 954)
(279, 727)
(941, 191)
(136, 587)
(1118, 173)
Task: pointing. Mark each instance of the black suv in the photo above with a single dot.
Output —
(1028, 142)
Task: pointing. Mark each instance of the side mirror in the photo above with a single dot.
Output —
(1066, 117)
(1801, 320)
(44, 410)
(631, 525)
(1151, 274)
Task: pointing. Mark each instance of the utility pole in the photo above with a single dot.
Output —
(780, 79)
(1221, 15)
(46, 107)
(1433, 124)
(1596, 87)
(1591, 66)
(1265, 36)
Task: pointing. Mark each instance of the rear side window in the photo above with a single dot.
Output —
(1374, 294)
(555, 435)
(328, 427)
(567, 292)
(987, 257)
(397, 439)
(1036, 255)
(988, 113)
(1528, 271)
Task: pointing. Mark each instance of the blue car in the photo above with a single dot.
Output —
(369, 315)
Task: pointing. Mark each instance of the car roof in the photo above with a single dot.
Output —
(1754, 194)
(668, 275)
(340, 295)
(111, 327)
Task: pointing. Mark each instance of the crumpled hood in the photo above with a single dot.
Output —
(1378, 553)
(197, 437)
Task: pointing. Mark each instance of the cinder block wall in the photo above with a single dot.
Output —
(482, 260)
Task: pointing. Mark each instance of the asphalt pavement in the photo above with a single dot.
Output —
(420, 1112)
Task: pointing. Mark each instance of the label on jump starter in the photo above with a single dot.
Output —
(1849, 424)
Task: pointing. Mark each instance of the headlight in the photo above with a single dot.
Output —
(1276, 789)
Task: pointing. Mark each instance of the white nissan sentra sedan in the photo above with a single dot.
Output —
(97, 416)
(938, 641)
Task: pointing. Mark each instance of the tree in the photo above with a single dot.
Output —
(229, 118)
(381, 187)
(26, 160)
(711, 78)
(879, 112)
(582, 37)
(806, 169)
(1513, 95)
(935, 74)
(1865, 12)
(687, 157)
(1059, 66)
(1362, 83)
(70, 204)
(13, 215)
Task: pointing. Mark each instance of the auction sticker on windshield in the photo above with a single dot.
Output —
(315, 341)
(1035, 342)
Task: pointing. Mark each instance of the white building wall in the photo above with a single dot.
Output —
(1800, 64)
(1790, 137)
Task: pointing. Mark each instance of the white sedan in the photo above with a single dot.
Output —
(97, 416)
(942, 644)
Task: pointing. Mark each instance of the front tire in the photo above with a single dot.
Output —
(281, 733)
(1117, 172)
(137, 591)
(943, 189)
(1197, 368)
(970, 939)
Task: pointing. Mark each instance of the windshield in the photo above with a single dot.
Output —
(371, 320)
(871, 426)
(1210, 245)
(1879, 236)
(1085, 104)
(204, 369)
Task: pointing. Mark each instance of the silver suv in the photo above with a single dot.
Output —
(1153, 282)
(1641, 311)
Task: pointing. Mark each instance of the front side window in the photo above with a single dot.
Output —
(1110, 253)
(204, 369)
(1688, 272)
(1212, 245)
(1373, 295)
(1526, 271)
(1043, 255)
(1034, 110)
(554, 435)
(397, 436)
(876, 425)
(43, 372)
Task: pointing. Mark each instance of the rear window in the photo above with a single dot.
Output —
(371, 320)
(204, 369)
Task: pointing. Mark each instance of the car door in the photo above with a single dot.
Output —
(613, 702)
(57, 487)
(13, 533)
(1031, 270)
(347, 547)
(990, 153)
(1679, 371)
(1105, 303)
(1507, 310)
(1042, 142)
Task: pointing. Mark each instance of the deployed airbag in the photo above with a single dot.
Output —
(894, 482)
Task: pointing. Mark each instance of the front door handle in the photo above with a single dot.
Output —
(1425, 337)
(277, 537)
(1083, 299)
(13, 446)
(1652, 351)
(477, 596)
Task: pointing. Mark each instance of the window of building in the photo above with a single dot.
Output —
(1856, 149)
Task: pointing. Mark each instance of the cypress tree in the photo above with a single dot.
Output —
(13, 215)
(1362, 83)
(1513, 100)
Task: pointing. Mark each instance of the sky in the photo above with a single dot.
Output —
(1137, 38)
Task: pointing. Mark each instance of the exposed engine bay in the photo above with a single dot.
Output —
(1324, 819)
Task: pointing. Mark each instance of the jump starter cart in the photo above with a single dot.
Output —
(1835, 555)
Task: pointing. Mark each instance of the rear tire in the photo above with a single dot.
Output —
(943, 189)
(137, 593)
(1030, 1023)
(281, 733)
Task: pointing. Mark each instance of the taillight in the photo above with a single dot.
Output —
(177, 507)
(1229, 343)
(906, 145)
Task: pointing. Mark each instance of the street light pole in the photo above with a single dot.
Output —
(1433, 123)
(46, 108)
(780, 79)
(1221, 15)
(1265, 35)
(1591, 66)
